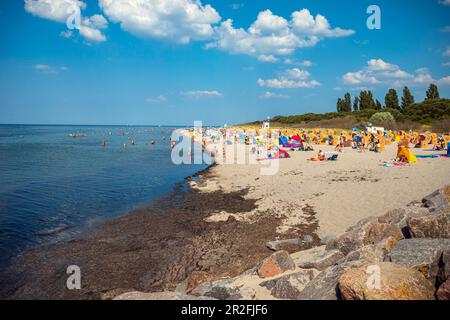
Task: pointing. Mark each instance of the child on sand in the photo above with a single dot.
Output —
(320, 157)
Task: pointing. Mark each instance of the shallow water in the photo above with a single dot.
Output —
(54, 187)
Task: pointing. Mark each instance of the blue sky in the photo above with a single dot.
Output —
(176, 61)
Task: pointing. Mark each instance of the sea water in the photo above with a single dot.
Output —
(54, 187)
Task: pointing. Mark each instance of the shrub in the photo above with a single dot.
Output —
(383, 119)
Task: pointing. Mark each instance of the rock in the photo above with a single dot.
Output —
(324, 285)
(446, 262)
(396, 283)
(399, 217)
(327, 238)
(443, 292)
(167, 295)
(424, 255)
(210, 288)
(321, 261)
(224, 293)
(276, 245)
(376, 232)
(277, 263)
(438, 200)
(307, 255)
(370, 253)
(434, 225)
(291, 245)
(367, 231)
(289, 286)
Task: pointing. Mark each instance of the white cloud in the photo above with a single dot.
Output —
(444, 81)
(267, 58)
(55, 10)
(158, 99)
(61, 10)
(177, 20)
(447, 52)
(272, 95)
(446, 29)
(304, 23)
(304, 63)
(236, 6)
(92, 34)
(290, 79)
(445, 2)
(446, 64)
(46, 69)
(202, 93)
(66, 34)
(274, 35)
(379, 72)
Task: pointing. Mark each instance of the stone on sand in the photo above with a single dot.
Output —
(396, 282)
(275, 264)
(167, 295)
(424, 255)
(289, 286)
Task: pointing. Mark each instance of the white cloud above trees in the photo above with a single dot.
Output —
(380, 72)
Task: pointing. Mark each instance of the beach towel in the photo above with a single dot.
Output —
(424, 156)
(395, 164)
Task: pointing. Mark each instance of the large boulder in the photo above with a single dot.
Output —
(443, 292)
(367, 231)
(424, 255)
(434, 225)
(290, 285)
(276, 264)
(395, 282)
(438, 200)
(324, 286)
(399, 217)
(167, 295)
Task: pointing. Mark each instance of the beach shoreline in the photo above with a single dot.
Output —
(220, 226)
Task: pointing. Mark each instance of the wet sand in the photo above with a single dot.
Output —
(220, 227)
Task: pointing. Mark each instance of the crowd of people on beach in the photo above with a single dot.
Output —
(275, 143)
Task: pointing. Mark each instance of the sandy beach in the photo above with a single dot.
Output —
(340, 193)
(220, 226)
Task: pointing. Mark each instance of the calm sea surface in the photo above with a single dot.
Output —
(54, 187)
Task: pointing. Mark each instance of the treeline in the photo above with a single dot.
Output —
(358, 111)
(366, 101)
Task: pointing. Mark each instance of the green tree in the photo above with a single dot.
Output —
(347, 103)
(383, 119)
(339, 105)
(432, 92)
(391, 100)
(407, 98)
(356, 104)
(378, 105)
(366, 100)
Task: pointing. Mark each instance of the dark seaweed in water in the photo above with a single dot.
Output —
(150, 249)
